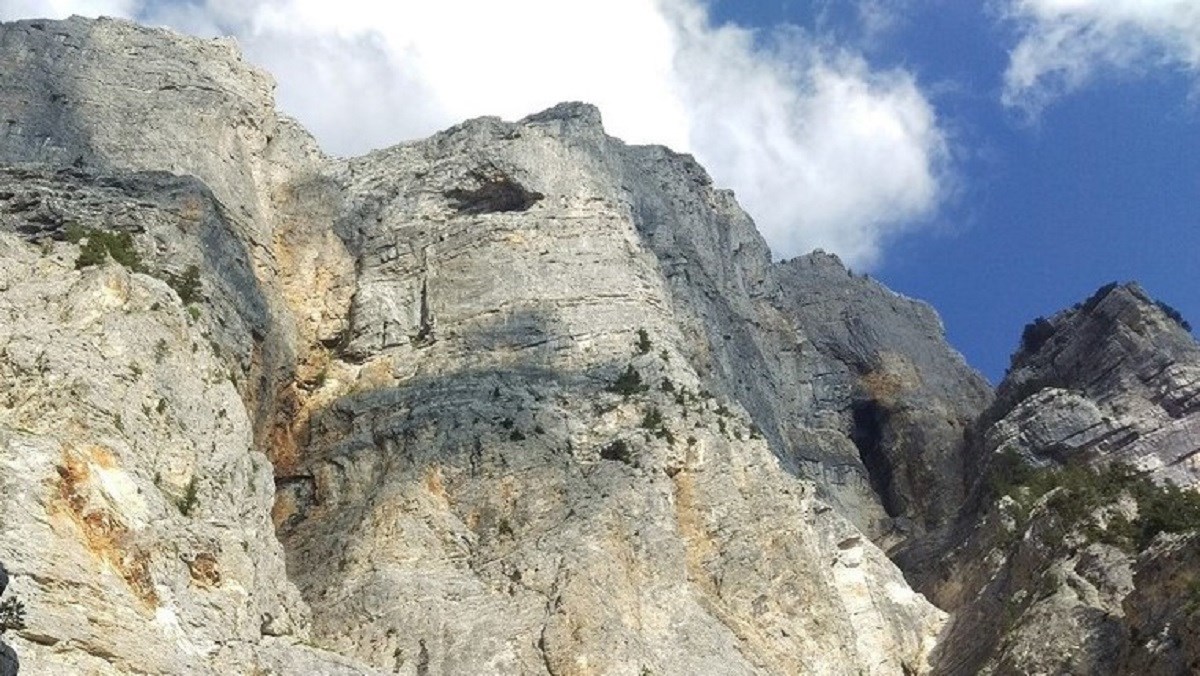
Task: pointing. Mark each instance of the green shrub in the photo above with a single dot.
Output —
(618, 450)
(1166, 509)
(187, 285)
(1094, 300)
(652, 419)
(190, 498)
(1035, 335)
(1192, 604)
(1174, 315)
(628, 383)
(643, 344)
(12, 615)
(102, 245)
(1083, 491)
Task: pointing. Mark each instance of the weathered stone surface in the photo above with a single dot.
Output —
(466, 460)
(1052, 425)
(517, 398)
(1122, 356)
(422, 341)
(882, 374)
(125, 455)
(110, 97)
(1042, 587)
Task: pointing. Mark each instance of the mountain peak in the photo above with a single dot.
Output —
(575, 112)
(516, 398)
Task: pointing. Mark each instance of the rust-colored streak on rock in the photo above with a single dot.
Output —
(104, 534)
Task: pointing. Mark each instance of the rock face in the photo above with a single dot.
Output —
(10, 664)
(521, 398)
(884, 378)
(135, 506)
(534, 401)
(550, 467)
(136, 498)
(1128, 376)
(1063, 561)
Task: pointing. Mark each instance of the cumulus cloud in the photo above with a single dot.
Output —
(821, 149)
(1066, 43)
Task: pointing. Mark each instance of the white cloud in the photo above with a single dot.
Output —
(1066, 43)
(822, 150)
(61, 9)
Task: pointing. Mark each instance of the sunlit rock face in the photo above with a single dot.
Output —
(516, 398)
(533, 400)
(1073, 553)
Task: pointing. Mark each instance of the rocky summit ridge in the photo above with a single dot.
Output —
(520, 398)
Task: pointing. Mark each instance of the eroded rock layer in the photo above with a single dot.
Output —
(1076, 552)
(521, 398)
(534, 401)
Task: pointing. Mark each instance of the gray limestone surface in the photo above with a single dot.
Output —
(508, 382)
(518, 398)
(1043, 578)
(1134, 369)
(476, 454)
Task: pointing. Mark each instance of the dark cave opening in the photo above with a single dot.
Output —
(867, 434)
(496, 193)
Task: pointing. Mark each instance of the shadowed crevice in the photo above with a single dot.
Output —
(867, 434)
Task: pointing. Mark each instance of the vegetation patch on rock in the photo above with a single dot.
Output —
(1078, 493)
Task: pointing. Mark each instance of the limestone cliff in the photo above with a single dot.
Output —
(1076, 551)
(516, 398)
(534, 401)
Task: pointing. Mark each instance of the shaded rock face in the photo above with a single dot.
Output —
(1045, 572)
(1132, 376)
(10, 664)
(885, 378)
(550, 468)
(521, 398)
(532, 400)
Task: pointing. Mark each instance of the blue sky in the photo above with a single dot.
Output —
(1000, 159)
(1103, 185)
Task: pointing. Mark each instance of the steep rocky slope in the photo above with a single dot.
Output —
(521, 398)
(534, 401)
(1076, 553)
(1125, 375)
